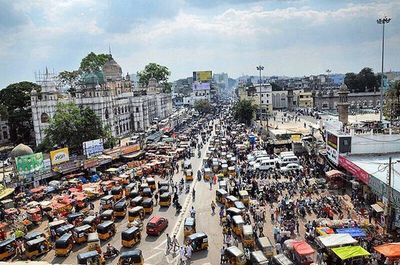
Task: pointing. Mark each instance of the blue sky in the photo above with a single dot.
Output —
(293, 37)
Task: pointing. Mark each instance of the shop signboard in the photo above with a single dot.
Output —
(59, 156)
(28, 164)
(130, 149)
(46, 165)
(377, 186)
(355, 170)
(67, 166)
(202, 76)
(90, 163)
(332, 155)
(115, 153)
(93, 148)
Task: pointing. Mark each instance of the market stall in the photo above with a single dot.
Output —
(389, 250)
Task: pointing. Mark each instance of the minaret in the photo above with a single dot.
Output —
(290, 99)
(343, 104)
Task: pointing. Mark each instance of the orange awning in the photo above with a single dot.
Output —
(390, 250)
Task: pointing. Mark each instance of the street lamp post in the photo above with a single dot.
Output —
(382, 21)
(260, 68)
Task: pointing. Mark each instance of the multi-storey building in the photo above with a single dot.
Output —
(258, 95)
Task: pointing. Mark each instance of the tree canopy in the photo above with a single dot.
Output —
(71, 126)
(159, 72)
(15, 100)
(93, 62)
(69, 79)
(364, 81)
(391, 109)
(203, 106)
(243, 111)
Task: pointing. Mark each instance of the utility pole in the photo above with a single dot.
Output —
(260, 68)
(389, 195)
(382, 21)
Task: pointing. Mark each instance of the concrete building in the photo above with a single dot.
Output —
(258, 95)
(328, 100)
(305, 100)
(126, 109)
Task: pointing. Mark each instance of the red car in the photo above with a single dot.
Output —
(156, 225)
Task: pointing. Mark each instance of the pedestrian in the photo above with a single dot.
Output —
(156, 198)
(297, 227)
(213, 208)
(182, 256)
(189, 251)
(169, 243)
(175, 243)
(222, 255)
(278, 248)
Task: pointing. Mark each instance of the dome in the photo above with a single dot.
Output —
(20, 150)
(112, 70)
(343, 87)
(93, 78)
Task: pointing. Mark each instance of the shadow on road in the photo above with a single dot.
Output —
(200, 255)
(151, 238)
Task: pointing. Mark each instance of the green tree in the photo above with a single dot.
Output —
(243, 111)
(367, 79)
(391, 109)
(159, 72)
(202, 106)
(352, 82)
(16, 102)
(71, 126)
(69, 79)
(93, 62)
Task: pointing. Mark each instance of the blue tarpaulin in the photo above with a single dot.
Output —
(354, 232)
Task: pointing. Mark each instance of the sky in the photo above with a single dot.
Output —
(293, 37)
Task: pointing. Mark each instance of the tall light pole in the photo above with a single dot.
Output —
(260, 68)
(382, 21)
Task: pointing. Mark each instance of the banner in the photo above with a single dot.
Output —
(201, 86)
(59, 156)
(130, 149)
(93, 148)
(29, 163)
(202, 76)
(358, 172)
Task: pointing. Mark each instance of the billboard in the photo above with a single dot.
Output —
(332, 140)
(202, 76)
(29, 163)
(93, 148)
(200, 86)
(59, 156)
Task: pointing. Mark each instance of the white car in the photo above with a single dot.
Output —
(265, 165)
(290, 167)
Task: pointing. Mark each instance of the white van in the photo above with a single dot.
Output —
(288, 160)
(288, 153)
(259, 159)
(265, 165)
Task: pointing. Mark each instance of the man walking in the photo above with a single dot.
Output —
(169, 243)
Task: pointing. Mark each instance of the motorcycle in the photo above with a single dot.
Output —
(111, 254)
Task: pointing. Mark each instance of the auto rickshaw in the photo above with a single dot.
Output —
(230, 201)
(248, 237)
(93, 242)
(64, 245)
(222, 185)
(208, 174)
(148, 206)
(189, 226)
(91, 220)
(8, 249)
(143, 186)
(147, 193)
(163, 183)
(232, 171)
(107, 202)
(106, 230)
(128, 189)
(240, 205)
(107, 215)
(36, 247)
(136, 213)
(152, 183)
(237, 225)
(72, 217)
(188, 175)
(165, 199)
(244, 197)
(233, 211)
(134, 193)
(220, 196)
(34, 215)
(130, 237)
(64, 229)
(81, 233)
(120, 208)
(224, 169)
(132, 257)
(258, 258)
(92, 257)
(56, 224)
(281, 259)
(137, 201)
(235, 256)
(198, 241)
(264, 244)
(33, 235)
(117, 193)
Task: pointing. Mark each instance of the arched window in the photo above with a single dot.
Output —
(44, 118)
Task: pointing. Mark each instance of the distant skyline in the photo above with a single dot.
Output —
(291, 38)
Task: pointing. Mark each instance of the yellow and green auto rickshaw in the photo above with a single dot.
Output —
(93, 221)
(220, 196)
(198, 241)
(237, 225)
(36, 247)
(117, 193)
(106, 230)
(81, 233)
(107, 215)
(131, 257)
(128, 189)
(165, 199)
(136, 213)
(148, 206)
(163, 183)
(188, 175)
(93, 242)
(33, 235)
(230, 201)
(244, 197)
(235, 256)
(120, 208)
(107, 202)
(248, 237)
(130, 237)
(91, 257)
(8, 249)
(264, 244)
(152, 183)
(64, 245)
(189, 226)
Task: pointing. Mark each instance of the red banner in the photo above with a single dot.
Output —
(358, 172)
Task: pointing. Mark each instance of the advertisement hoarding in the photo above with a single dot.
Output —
(29, 163)
(202, 76)
(59, 156)
(332, 140)
(355, 170)
(332, 155)
(93, 148)
(200, 86)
